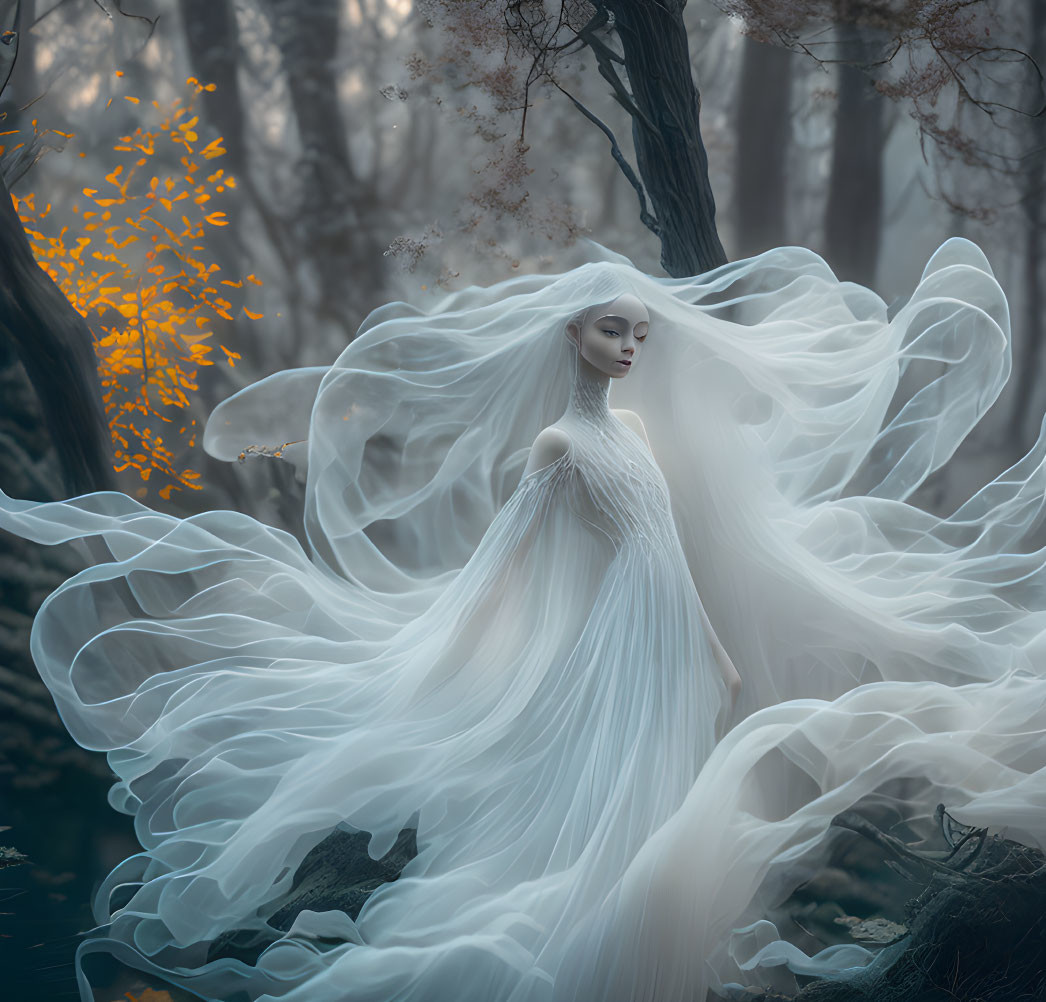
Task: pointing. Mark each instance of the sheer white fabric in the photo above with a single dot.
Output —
(520, 667)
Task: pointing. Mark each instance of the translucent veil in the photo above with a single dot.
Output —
(790, 416)
(419, 432)
(769, 390)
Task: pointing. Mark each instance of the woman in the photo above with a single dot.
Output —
(499, 633)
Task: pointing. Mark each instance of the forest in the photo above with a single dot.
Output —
(202, 192)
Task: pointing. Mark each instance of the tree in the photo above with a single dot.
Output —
(330, 195)
(854, 207)
(54, 345)
(1034, 183)
(51, 340)
(942, 60)
(924, 52)
(647, 43)
(212, 40)
(53, 442)
(763, 132)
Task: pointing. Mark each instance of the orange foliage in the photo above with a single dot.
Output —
(137, 269)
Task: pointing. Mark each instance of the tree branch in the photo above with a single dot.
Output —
(626, 168)
(605, 58)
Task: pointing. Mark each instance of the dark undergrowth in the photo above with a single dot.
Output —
(976, 932)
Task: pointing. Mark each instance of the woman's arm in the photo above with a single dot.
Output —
(726, 666)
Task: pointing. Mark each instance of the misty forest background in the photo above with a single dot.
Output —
(377, 155)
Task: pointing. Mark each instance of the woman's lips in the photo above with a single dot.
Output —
(623, 361)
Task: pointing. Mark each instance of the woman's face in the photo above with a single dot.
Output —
(610, 335)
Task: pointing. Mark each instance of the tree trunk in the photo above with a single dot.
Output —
(212, 38)
(330, 193)
(763, 132)
(21, 88)
(51, 340)
(853, 214)
(1032, 185)
(56, 348)
(1031, 364)
(670, 154)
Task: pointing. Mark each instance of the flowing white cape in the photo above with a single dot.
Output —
(791, 419)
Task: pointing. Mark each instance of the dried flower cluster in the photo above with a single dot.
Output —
(491, 58)
(940, 58)
(137, 269)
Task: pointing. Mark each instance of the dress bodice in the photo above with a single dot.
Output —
(616, 485)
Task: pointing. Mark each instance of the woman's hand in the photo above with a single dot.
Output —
(730, 677)
(724, 719)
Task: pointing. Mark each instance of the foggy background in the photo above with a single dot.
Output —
(368, 169)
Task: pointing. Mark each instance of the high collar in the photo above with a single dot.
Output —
(589, 394)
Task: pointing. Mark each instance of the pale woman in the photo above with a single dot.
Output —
(563, 532)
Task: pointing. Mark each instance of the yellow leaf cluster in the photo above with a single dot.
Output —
(137, 268)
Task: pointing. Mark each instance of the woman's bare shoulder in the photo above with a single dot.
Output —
(551, 444)
(632, 420)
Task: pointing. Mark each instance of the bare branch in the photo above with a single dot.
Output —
(619, 158)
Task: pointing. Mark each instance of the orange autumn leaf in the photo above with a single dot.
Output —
(213, 149)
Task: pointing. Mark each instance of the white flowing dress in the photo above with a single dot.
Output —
(519, 668)
(543, 717)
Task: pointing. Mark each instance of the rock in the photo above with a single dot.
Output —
(873, 930)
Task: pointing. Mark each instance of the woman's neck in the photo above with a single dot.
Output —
(590, 393)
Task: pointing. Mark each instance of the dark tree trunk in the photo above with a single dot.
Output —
(1029, 369)
(55, 346)
(666, 132)
(51, 340)
(1034, 323)
(213, 40)
(22, 86)
(764, 128)
(854, 210)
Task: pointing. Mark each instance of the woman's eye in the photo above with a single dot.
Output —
(613, 333)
